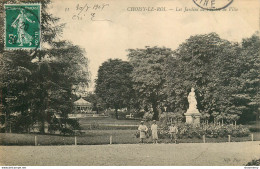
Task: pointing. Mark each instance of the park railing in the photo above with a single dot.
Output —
(103, 138)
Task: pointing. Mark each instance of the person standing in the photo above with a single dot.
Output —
(143, 129)
(173, 130)
(154, 132)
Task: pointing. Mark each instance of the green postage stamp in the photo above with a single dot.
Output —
(22, 26)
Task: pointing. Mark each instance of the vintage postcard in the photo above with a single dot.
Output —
(129, 83)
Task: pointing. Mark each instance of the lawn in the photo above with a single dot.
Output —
(97, 137)
(108, 123)
(108, 120)
(98, 131)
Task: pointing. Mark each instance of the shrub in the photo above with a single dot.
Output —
(254, 162)
(139, 114)
(66, 131)
(148, 116)
(241, 131)
(254, 129)
(162, 134)
(2, 129)
(210, 131)
(94, 125)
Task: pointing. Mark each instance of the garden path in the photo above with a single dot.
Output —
(234, 153)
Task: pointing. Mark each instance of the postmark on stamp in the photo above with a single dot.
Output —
(22, 26)
(212, 5)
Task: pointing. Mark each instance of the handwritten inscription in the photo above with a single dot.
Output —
(99, 11)
(88, 11)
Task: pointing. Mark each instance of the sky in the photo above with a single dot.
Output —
(106, 29)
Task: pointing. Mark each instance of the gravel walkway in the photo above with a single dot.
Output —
(188, 154)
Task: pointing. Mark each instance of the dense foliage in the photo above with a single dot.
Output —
(149, 76)
(210, 131)
(114, 84)
(36, 85)
(254, 162)
(225, 76)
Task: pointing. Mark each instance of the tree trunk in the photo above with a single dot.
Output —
(42, 121)
(6, 122)
(222, 122)
(28, 129)
(155, 111)
(42, 127)
(10, 127)
(235, 124)
(116, 114)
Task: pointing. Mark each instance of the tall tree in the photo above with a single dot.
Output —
(224, 74)
(114, 84)
(246, 96)
(38, 83)
(149, 75)
(205, 62)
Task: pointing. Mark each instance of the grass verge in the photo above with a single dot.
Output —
(97, 137)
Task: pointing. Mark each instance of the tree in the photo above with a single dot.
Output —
(215, 115)
(148, 76)
(53, 81)
(207, 63)
(205, 117)
(40, 81)
(97, 102)
(246, 84)
(235, 117)
(114, 84)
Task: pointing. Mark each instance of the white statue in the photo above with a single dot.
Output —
(192, 114)
(192, 100)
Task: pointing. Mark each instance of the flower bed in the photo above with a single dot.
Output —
(210, 131)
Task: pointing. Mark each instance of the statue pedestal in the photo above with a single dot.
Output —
(192, 118)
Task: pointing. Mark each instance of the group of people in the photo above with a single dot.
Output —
(173, 131)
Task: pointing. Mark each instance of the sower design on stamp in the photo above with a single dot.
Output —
(22, 26)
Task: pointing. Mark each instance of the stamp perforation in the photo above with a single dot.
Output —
(38, 47)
